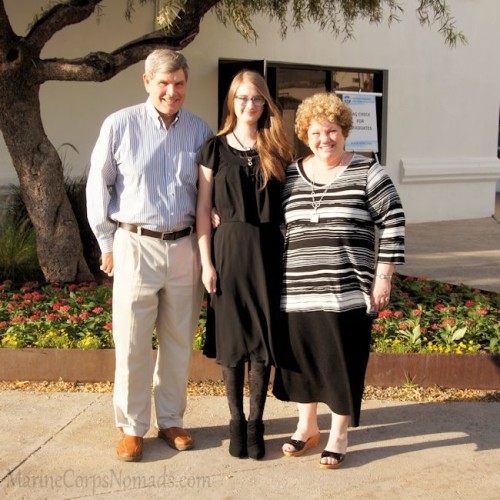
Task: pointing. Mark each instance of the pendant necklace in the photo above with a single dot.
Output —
(317, 203)
(245, 150)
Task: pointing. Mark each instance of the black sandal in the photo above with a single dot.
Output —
(340, 457)
(301, 446)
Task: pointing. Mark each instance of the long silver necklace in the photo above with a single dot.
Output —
(317, 203)
(245, 150)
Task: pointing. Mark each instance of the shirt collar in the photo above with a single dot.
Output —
(153, 113)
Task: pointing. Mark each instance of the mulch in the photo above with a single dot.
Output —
(408, 392)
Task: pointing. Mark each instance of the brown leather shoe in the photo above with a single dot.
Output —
(177, 437)
(129, 448)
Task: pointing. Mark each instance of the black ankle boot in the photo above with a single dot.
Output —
(238, 438)
(255, 442)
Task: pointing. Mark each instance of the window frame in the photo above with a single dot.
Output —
(270, 70)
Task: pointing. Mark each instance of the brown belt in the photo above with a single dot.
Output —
(155, 234)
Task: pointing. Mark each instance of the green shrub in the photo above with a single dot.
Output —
(18, 257)
(15, 218)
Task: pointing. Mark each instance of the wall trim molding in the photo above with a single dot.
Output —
(446, 170)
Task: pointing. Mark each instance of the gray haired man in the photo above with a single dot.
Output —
(141, 195)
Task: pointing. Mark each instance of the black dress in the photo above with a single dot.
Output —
(247, 250)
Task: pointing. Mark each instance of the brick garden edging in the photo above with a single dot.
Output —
(451, 371)
(466, 371)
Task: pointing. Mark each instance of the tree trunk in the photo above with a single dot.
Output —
(41, 177)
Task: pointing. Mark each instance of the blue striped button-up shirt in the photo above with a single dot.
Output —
(141, 173)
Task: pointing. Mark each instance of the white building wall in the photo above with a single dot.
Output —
(443, 103)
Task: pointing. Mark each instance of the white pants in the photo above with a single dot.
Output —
(156, 283)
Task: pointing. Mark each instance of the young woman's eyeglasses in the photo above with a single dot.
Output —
(244, 100)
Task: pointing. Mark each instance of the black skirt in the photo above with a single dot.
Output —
(243, 315)
(323, 358)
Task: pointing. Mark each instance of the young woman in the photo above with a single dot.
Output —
(241, 174)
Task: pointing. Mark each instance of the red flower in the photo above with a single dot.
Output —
(29, 285)
(469, 303)
(56, 306)
(98, 310)
(417, 312)
(108, 326)
(398, 314)
(3, 324)
(386, 313)
(19, 319)
(51, 316)
(84, 315)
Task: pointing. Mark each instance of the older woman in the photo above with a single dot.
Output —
(335, 280)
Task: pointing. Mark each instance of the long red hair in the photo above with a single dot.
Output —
(274, 146)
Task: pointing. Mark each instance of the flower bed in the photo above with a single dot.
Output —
(63, 317)
(427, 316)
(424, 316)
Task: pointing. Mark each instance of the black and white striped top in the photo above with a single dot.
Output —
(329, 264)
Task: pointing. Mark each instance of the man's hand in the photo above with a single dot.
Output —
(107, 263)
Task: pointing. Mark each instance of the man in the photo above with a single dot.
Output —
(141, 194)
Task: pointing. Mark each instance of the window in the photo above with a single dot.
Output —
(291, 83)
(293, 86)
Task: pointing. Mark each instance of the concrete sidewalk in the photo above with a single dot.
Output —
(62, 445)
(463, 251)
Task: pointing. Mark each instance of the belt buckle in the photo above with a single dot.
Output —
(175, 234)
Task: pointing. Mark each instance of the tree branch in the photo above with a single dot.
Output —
(58, 17)
(102, 66)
